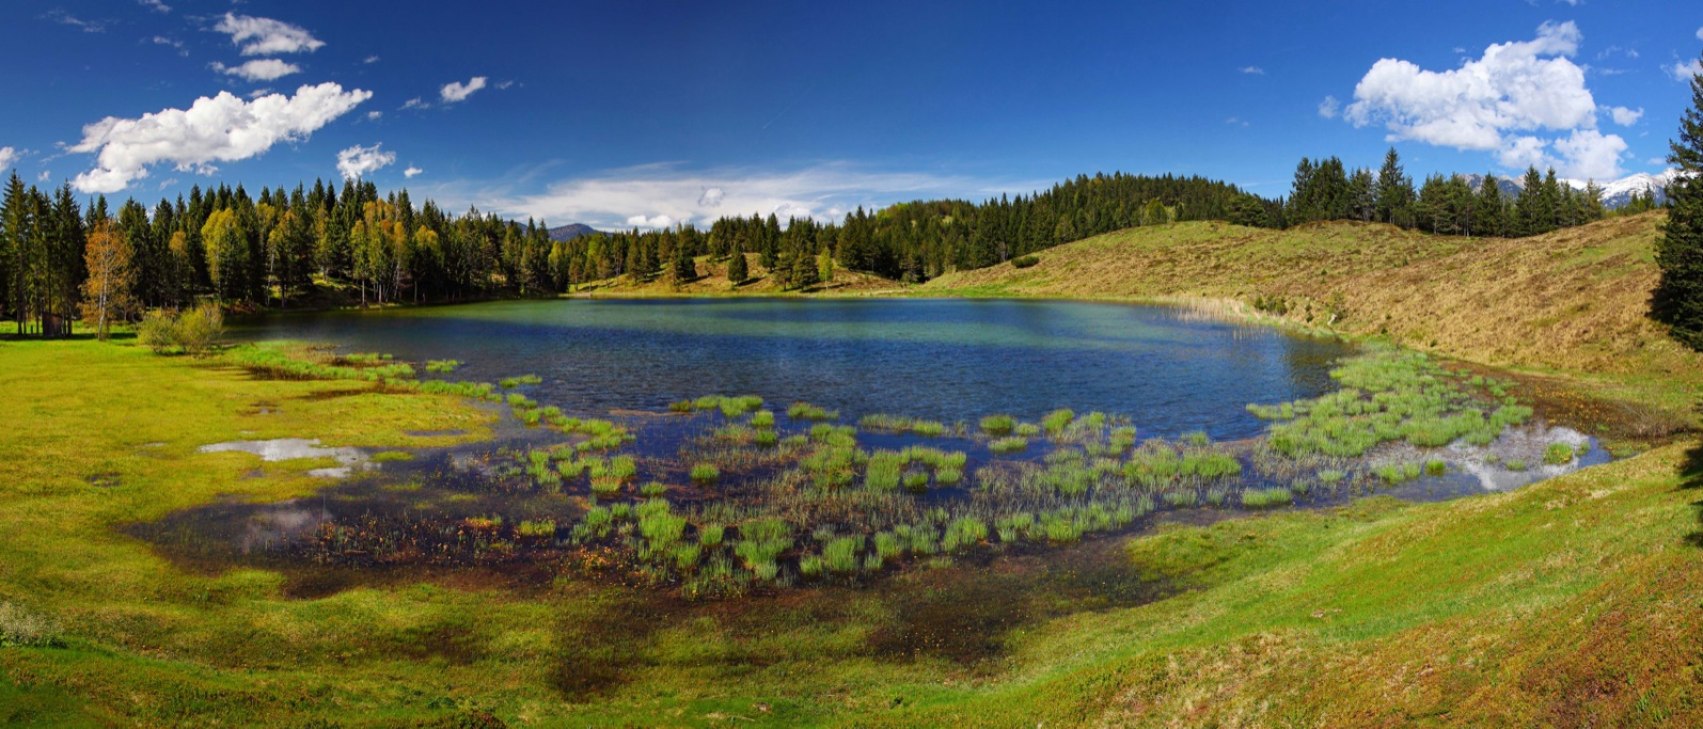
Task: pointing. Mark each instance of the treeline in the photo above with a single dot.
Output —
(1326, 190)
(915, 241)
(276, 248)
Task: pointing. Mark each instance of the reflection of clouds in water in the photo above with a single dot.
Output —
(1520, 444)
(278, 525)
(287, 449)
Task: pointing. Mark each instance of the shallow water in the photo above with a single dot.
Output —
(946, 360)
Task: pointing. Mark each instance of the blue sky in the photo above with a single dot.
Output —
(647, 114)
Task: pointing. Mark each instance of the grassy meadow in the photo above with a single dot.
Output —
(1573, 602)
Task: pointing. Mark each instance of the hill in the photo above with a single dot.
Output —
(1570, 302)
(571, 231)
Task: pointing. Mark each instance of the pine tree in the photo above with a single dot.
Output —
(737, 272)
(1678, 298)
(1395, 192)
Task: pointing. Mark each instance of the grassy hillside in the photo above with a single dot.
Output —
(1571, 302)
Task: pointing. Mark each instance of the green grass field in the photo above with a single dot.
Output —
(1574, 602)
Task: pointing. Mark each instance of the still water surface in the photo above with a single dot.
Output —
(947, 360)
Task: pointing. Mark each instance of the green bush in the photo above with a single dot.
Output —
(1024, 261)
(196, 331)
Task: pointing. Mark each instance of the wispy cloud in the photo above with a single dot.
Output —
(661, 195)
(1252, 70)
(87, 26)
(1330, 107)
(259, 69)
(8, 157)
(265, 36)
(456, 92)
(412, 172)
(154, 5)
(160, 40)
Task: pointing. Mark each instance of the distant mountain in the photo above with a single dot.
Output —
(1509, 187)
(1615, 193)
(570, 232)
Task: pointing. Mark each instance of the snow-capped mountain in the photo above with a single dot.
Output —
(1615, 193)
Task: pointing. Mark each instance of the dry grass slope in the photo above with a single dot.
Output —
(1571, 302)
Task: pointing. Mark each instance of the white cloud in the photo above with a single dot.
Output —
(1625, 117)
(1503, 102)
(1252, 70)
(661, 195)
(160, 40)
(222, 128)
(370, 60)
(259, 69)
(412, 172)
(1330, 107)
(504, 86)
(154, 5)
(44, 176)
(1685, 70)
(8, 156)
(265, 36)
(456, 91)
(1700, 34)
(415, 103)
(87, 26)
(357, 161)
(375, 115)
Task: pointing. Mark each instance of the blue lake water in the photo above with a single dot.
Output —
(947, 360)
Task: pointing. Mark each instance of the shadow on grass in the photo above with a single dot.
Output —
(1691, 478)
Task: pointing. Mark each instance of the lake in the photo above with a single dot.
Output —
(948, 360)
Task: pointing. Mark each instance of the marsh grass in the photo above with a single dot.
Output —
(442, 366)
(1267, 497)
(1559, 454)
(998, 425)
(1008, 445)
(806, 411)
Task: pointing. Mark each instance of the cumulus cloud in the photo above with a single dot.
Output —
(456, 91)
(265, 36)
(375, 115)
(1625, 117)
(1330, 107)
(8, 156)
(357, 161)
(1685, 70)
(412, 172)
(222, 128)
(1526, 101)
(1252, 70)
(259, 69)
(661, 195)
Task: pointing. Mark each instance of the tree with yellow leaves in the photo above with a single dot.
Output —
(106, 292)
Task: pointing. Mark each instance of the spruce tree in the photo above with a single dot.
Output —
(737, 272)
(1678, 298)
(1395, 192)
